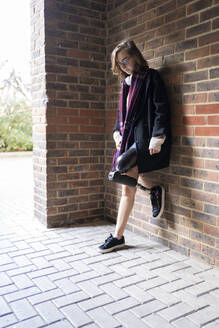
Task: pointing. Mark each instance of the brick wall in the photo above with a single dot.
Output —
(75, 102)
(180, 39)
(69, 144)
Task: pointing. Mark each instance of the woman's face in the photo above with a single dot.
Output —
(125, 61)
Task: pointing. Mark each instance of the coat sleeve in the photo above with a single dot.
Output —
(161, 106)
(116, 126)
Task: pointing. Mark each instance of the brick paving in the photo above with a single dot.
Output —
(56, 278)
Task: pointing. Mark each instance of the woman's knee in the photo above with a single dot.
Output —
(128, 191)
(133, 172)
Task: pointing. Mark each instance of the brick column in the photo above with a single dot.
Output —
(69, 143)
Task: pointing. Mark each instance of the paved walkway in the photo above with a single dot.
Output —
(55, 277)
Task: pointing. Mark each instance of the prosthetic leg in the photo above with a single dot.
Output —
(124, 163)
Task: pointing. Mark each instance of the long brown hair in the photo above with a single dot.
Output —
(132, 50)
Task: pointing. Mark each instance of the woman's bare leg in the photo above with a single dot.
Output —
(126, 204)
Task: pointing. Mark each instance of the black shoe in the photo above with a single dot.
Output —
(111, 243)
(157, 195)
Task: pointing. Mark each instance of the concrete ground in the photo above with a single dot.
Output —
(56, 278)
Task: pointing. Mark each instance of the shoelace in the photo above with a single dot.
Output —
(107, 240)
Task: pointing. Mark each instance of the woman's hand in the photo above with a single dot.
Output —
(118, 145)
(117, 138)
(155, 144)
(154, 151)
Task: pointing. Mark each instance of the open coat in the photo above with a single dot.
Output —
(154, 119)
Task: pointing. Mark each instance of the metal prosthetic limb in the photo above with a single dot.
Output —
(124, 163)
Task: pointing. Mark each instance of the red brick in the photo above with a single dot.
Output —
(197, 53)
(206, 131)
(205, 175)
(190, 243)
(211, 230)
(78, 120)
(198, 5)
(181, 230)
(183, 130)
(179, 248)
(78, 54)
(202, 238)
(200, 257)
(92, 129)
(196, 76)
(56, 120)
(67, 129)
(196, 225)
(207, 109)
(187, 21)
(208, 38)
(209, 61)
(211, 164)
(192, 161)
(94, 113)
(198, 29)
(191, 203)
(68, 112)
(209, 251)
(214, 49)
(203, 196)
(51, 129)
(213, 120)
(187, 109)
(209, 13)
(194, 120)
(96, 121)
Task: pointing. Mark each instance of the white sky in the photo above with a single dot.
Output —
(15, 36)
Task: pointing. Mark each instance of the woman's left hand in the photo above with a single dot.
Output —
(154, 151)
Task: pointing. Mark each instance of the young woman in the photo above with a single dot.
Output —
(142, 132)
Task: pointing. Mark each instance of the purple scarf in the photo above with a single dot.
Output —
(127, 117)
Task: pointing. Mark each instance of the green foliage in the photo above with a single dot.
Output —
(15, 114)
(16, 127)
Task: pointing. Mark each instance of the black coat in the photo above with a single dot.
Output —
(153, 120)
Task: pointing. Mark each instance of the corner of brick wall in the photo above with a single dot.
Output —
(180, 39)
(71, 143)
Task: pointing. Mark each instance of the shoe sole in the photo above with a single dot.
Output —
(162, 201)
(110, 249)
